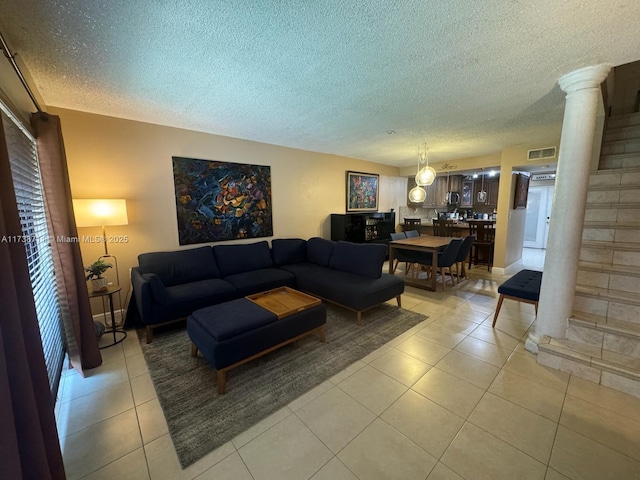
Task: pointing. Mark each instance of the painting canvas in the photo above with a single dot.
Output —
(362, 192)
(522, 191)
(218, 201)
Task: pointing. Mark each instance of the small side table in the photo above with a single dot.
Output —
(109, 292)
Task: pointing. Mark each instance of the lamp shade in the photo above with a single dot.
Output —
(100, 212)
(417, 195)
(425, 176)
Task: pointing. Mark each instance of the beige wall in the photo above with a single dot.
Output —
(115, 158)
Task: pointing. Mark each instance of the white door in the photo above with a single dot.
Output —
(536, 226)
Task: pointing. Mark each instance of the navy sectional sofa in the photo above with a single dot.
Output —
(169, 286)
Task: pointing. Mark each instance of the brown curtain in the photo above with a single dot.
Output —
(82, 344)
(29, 445)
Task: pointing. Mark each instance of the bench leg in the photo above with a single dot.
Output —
(359, 318)
(194, 350)
(399, 300)
(222, 381)
(495, 317)
(536, 307)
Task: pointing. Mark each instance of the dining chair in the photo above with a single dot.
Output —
(412, 233)
(463, 253)
(402, 255)
(442, 227)
(446, 259)
(484, 233)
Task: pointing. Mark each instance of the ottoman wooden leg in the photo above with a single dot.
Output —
(322, 333)
(194, 350)
(399, 300)
(222, 381)
(495, 317)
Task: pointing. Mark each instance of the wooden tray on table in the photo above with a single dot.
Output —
(284, 301)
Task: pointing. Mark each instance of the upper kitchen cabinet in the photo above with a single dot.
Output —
(491, 187)
(437, 191)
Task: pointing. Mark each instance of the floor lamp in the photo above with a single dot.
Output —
(102, 213)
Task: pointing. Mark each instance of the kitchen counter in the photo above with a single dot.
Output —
(461, 227)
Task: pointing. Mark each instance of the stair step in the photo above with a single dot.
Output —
(608, 294)
(620, 146)
(618, 246)
(608, 368)
(616, 233)
(623, 171)
(630, 270)
(613, 225)
(621, 133)
(623, 160)
(626, 176)
(612, 194)
(621, 121)
(604, 326)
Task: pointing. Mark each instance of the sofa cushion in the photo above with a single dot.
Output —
(181, 266)
(212, 289)
(257, 281)
(319, 250)
(354, 291)
(358, 258)
(234, 259)
(286, 251)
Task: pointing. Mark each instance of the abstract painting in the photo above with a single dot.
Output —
(218, 201)
(362, 192)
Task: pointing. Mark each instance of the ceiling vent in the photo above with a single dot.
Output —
(541, 154)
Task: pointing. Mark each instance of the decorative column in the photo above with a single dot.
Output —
(569, 202)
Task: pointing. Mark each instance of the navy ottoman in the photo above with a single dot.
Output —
(524, 286)
(235, 332)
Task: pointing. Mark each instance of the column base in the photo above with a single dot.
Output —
(532, 341)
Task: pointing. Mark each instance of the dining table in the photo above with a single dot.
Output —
(423, 243)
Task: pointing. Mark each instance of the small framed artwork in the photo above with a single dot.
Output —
(522, 191)
(467, 194)
(362, 192)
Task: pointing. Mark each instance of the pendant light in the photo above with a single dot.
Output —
(424, 177)
(482, 195)
(426, 174)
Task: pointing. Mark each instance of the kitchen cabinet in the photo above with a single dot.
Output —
(437, 191)
(491, 186)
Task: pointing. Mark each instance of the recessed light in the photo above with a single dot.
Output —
(390, 132)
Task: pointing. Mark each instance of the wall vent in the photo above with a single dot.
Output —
(541, 154)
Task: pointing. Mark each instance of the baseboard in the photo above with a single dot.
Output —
(105, 317)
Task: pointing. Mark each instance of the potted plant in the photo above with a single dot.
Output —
(95, 271)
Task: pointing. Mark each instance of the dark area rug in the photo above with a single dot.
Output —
(200, 420)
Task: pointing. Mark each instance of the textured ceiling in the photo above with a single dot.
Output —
(332, 76)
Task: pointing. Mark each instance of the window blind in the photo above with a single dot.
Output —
(27, 184)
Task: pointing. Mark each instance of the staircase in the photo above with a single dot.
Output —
(603, 339)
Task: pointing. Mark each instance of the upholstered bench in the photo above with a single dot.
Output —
(233, 333)
(524, 286)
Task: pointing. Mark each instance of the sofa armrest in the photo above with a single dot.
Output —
(158, 290)
(142, 292)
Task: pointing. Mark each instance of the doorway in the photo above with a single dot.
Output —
(536, 226)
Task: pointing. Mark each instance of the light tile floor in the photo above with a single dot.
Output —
(450, 399)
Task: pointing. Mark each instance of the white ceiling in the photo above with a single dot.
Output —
(466, 76)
